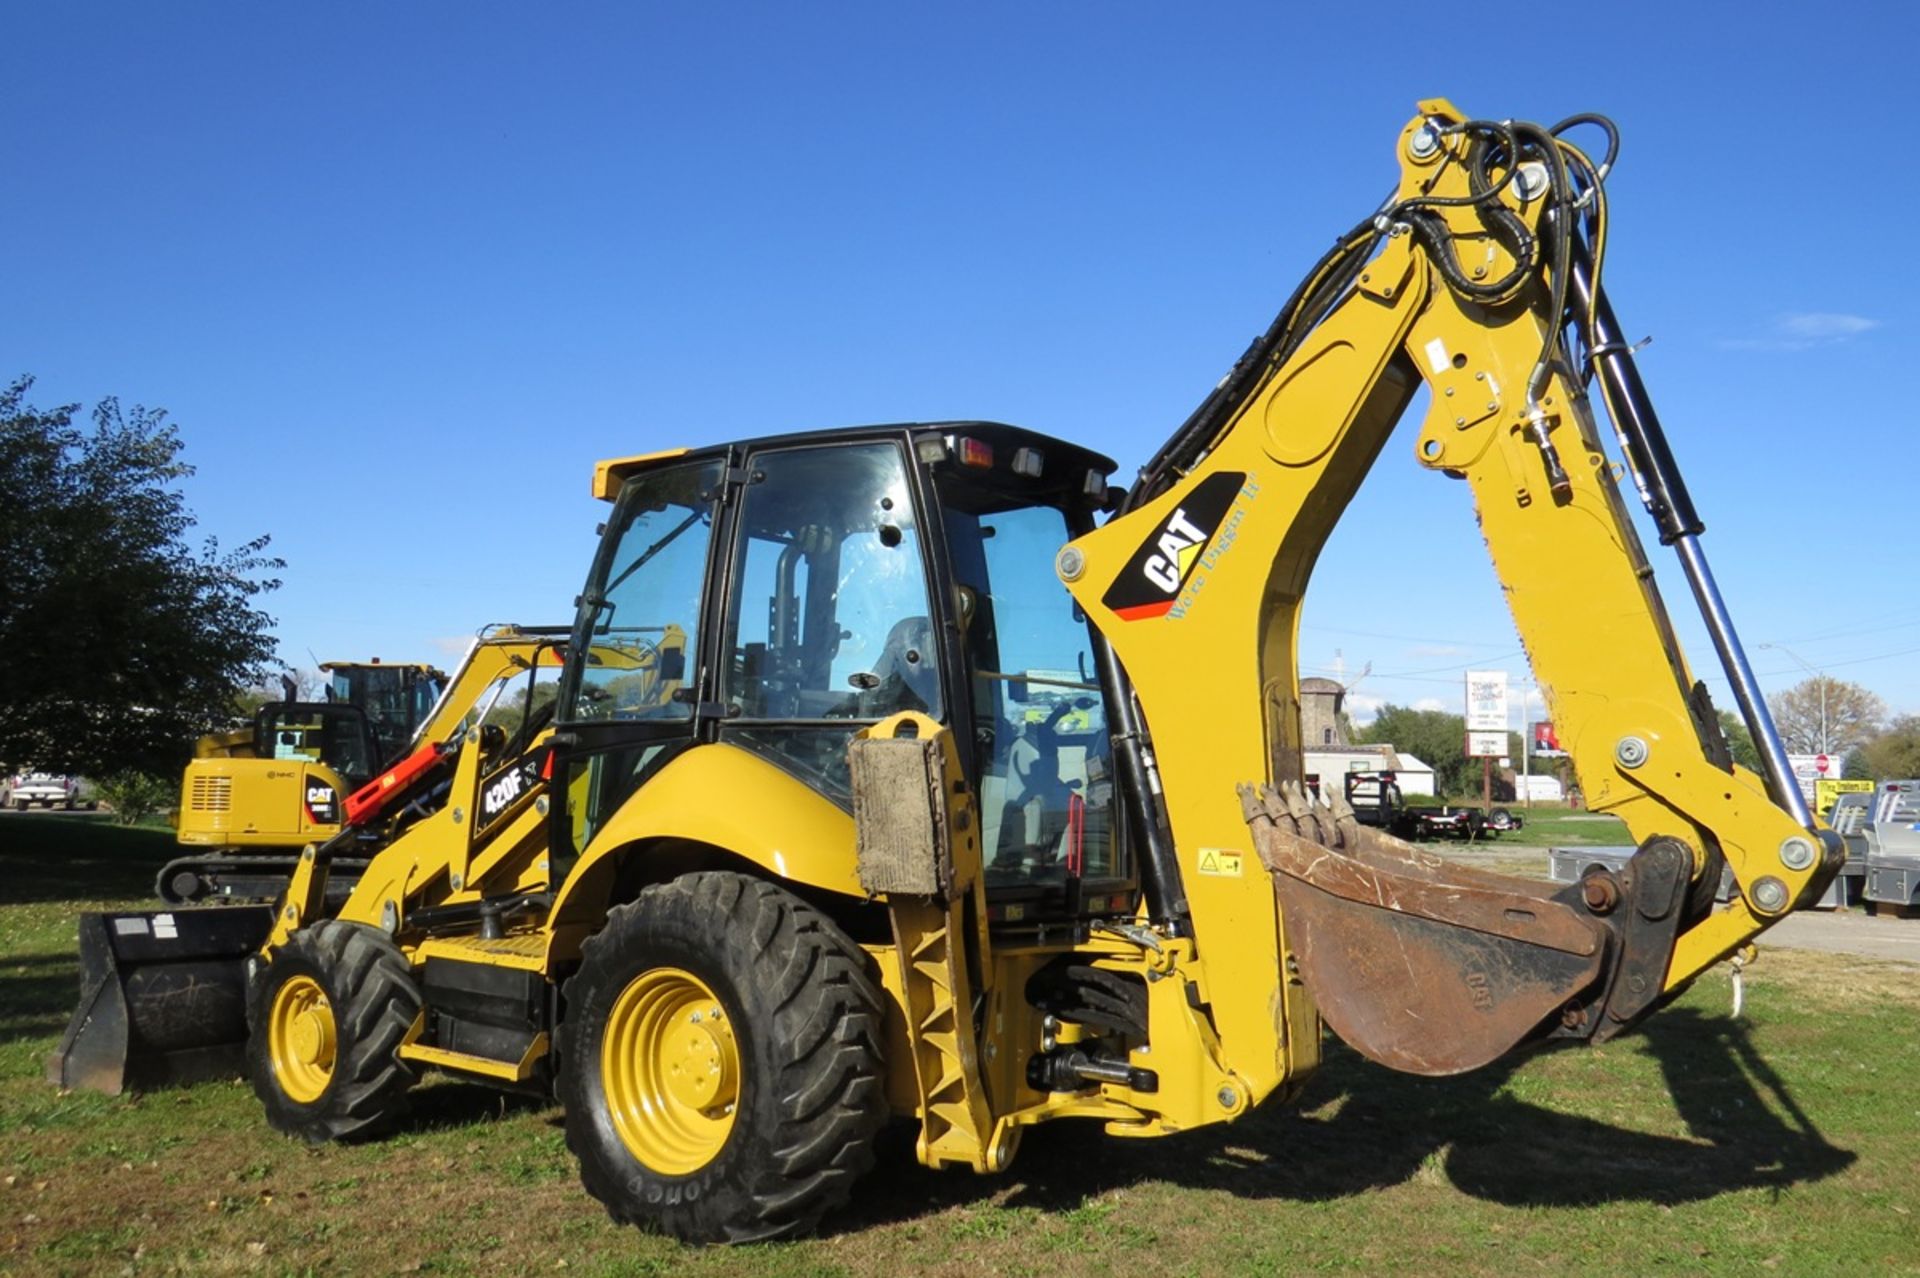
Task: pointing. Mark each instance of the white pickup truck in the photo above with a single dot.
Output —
(24, 789)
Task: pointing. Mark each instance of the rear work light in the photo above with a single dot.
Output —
(973, 452)
(1028, 462)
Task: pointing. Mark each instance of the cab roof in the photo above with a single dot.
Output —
(1004, 439)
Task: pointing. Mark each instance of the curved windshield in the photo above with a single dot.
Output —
(645, 593)
(829, 625)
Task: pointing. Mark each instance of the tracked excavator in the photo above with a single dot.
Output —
(250, 799)
(932, 812)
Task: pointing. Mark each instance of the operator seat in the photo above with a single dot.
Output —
(909, 678)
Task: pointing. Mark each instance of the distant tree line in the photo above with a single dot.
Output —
(1818, 715)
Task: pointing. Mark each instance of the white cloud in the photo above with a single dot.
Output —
(1803, 330)
(1823, 326)
(1429, 703)
(1361, 707)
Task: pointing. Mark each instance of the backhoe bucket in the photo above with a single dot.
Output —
(163, 998)
(1433, 968)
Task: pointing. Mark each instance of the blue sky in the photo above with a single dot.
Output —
(402, 273)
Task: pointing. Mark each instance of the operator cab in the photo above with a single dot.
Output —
(780, 595)
(395, 698)
(325, 732)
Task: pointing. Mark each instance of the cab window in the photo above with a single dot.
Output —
(1047, 777)
(640, 648)
(828, 624)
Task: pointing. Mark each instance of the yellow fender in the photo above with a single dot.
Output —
(725, 798)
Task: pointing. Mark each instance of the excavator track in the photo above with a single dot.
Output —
(245, 877)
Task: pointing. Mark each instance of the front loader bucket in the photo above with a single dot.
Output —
(163, 998)
(1434, 968)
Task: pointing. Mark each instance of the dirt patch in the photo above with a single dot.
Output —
(1845, 981)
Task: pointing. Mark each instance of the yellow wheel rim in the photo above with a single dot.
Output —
(671, 1071)
(300, 1039)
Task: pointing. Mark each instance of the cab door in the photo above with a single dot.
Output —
(828, 623)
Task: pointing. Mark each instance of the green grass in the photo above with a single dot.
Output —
(1560, 826)
(1787, 1142)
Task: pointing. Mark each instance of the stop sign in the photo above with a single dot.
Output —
(1820, 764)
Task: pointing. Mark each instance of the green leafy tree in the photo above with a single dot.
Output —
(1892, 754)
(118, 641)
(1435, 737)
(1739, 741)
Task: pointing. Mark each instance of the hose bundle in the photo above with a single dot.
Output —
(1496, 155)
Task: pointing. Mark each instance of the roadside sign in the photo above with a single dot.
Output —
(1828, 789)
(1809, 768)
(1487, 702)
(1486, 745)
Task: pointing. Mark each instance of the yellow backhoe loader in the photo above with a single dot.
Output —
(954, 801)
(163, 993)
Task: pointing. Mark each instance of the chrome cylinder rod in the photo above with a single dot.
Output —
(1784, 786)
(1664, 492)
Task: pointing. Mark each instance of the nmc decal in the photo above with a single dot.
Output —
(1151, 581)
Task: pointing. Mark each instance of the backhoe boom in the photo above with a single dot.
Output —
(1465, 284)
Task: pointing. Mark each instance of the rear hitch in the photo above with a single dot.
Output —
(1069, 1069)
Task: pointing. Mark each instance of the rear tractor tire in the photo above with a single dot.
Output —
(328, 1018)
(721, 1065)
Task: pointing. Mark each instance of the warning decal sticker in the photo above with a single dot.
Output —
(1222, 862)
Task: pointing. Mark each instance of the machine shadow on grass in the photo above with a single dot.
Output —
(447, 1103)
(36, 995)
(79, 858)
(1745, 1131)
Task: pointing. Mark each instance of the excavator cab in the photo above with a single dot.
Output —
(339, 737)
(397, 698)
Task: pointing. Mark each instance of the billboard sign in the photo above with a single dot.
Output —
(1487, 701)
(1545, 740)
(1809, 768)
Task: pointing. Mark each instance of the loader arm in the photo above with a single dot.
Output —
(1465, 283)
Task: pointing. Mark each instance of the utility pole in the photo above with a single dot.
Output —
(1526, 745)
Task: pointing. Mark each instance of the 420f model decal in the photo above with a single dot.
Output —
(1151, 581)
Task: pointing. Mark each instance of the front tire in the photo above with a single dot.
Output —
(328, 1019)
(720, 1065)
